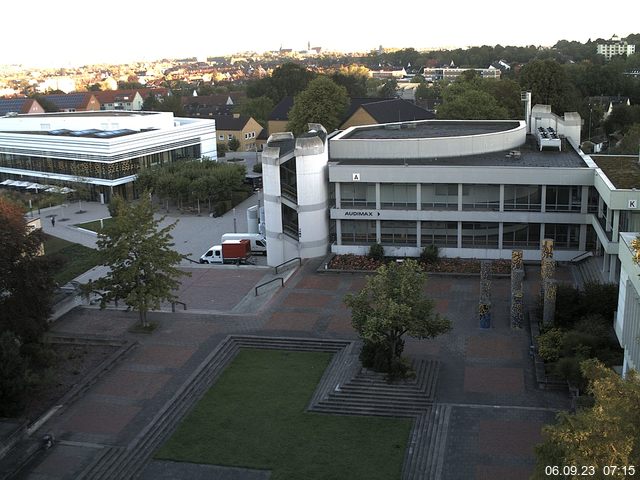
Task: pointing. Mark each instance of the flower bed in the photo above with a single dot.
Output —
(443, 265)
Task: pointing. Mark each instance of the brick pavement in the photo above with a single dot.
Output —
(485, 375)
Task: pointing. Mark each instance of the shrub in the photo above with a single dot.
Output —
(257, 168)
(376, 252)
(377, 357)
(430, 254)
(550, 344)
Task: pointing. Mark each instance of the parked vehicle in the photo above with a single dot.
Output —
(231, 251)
(257, 240)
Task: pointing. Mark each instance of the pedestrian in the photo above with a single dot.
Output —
(53, 221)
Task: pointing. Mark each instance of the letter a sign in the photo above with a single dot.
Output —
(356, 177)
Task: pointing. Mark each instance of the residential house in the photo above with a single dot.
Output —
(74, 102)
(245, 129)
(19, 105)
(129, 100)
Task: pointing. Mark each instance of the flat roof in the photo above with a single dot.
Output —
(622, 170)
(529, 156)
(429, 129)
(91, 113)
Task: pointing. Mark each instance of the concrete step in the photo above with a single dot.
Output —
(364, 411)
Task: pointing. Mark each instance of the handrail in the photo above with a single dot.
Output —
(288, 261)
(577, 258)
(270, 281)
(173, 305)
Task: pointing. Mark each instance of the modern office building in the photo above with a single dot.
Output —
(475, 189)
(104, 149)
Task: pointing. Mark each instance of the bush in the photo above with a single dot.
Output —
(221, 149)
(376, 252)
(13, 377)
(377, 356)
(257, 168)
(573, 304)
(550, 344)
(430, 254)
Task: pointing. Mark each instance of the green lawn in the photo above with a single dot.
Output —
(254, 417)
(76, 259)
(94, 226)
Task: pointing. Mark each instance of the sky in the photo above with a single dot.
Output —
(71, 32)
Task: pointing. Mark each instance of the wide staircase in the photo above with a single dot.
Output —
(344, 389)
(588, 270)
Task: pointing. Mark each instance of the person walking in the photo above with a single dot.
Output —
(53, 221)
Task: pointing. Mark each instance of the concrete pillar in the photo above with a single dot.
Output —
(501, 208)
(500, 234)
(339, 232)
(605, 262)
(418, 236)
(378, 232)
(459, 197)
(459, 234)
(607, 222)
(613, 269)
(338, 195)
(543, 202)
(378, 198)
(582, 243)
(584, 200)
(616, 225)
(418, 197)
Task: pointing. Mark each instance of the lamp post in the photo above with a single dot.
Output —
(590, 111)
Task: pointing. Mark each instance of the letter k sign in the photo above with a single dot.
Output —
(633, 203)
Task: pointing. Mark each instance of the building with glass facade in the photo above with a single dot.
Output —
(103, 149)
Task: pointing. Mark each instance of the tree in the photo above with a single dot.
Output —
(13, 375)
(389, 88)
(630, 143)
(234, 144)
(258, 108)
(353, 79)
(288, 79)
(142, 263)
(393, 304)
(26, 276)
(549, 85)
(470, 104)
(607, 434)
(321, 102)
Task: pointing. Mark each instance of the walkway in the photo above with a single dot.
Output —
(493, 410)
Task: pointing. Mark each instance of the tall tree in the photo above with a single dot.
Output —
(258, 108)
(143, 266)
(605, 435)
(321, 102)
(26, 277)
(470, 104)
(392, 304)
(288, 79)
(549, 85)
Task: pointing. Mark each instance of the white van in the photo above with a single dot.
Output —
(257, 240)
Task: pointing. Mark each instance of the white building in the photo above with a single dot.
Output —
(615, 46)
(102, 149)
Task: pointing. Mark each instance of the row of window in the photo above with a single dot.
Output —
(230, 136)
(473, 234)
(474, 197)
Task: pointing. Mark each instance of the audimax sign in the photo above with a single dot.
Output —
(361, 213)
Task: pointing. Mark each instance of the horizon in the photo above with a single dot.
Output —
(344, 28)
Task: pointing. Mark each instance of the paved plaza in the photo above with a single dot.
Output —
(486, 376)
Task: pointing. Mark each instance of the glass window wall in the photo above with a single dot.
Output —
(400, 196)
(481, 197)
(441, 234)
(358, 232)
(480, 235)
(358, 195)
(439, 196)
(521, 235)
(565, 237)
(398, 232)
(522, 198)
(563, 198)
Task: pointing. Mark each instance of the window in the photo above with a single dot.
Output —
(479, 235)
(358, 195)
(439, 196)
(521, 235)
(522, 198)
(395, 232)
(230, 136)
(480, 197)
(221, 137)
(398, 196)
(358, 232)
(565, 237)
(563, 198)
(441, 234)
